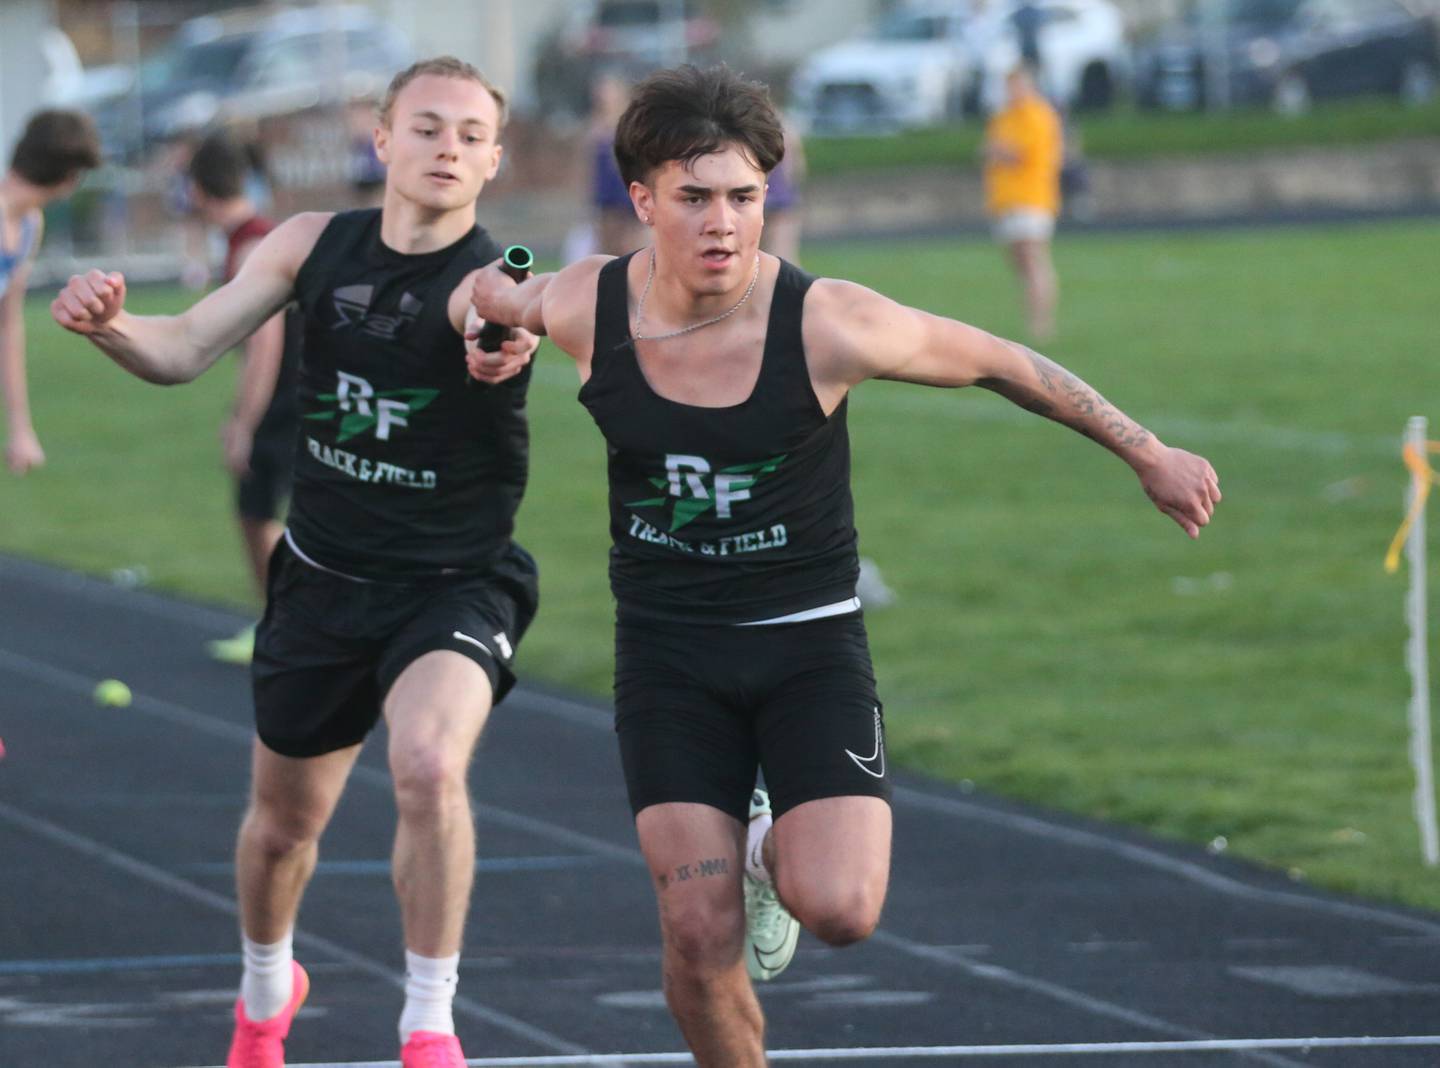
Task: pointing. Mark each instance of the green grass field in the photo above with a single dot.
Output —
(1054, 638)
(1126, 134)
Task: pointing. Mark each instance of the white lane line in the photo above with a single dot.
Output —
(582, 713)
(575, 711)
(75, 682)
(1185, 869)
(896, 1053)
(127, 599)
(199, 895)
(81, 685)
(1076, 999)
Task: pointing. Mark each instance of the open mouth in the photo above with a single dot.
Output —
(717, 257)
(442, 176)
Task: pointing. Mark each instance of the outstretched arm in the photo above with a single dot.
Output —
(169, 349)
(859, 334)
(560, 305)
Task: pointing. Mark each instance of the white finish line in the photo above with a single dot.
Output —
(893, 1053)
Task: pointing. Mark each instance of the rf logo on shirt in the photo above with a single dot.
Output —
(359, 407)
(691, 487)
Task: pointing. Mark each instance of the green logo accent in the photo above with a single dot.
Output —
(688, 509)
(352, 424)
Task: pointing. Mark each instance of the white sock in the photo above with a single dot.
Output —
(429, 994)
(755, 848)
(268, 980)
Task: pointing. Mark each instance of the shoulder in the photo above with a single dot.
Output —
(297, 236)
(850, 330)
(834, 305)
(570, 297)
(581, 276)
(484, 246)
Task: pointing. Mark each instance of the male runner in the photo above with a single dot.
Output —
(53, 153)
(719, 377)
(258, 437)
(397, 590)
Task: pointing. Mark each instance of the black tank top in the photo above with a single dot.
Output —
(402, 470)
(722, 515)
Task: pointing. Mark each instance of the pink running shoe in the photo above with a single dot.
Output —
(427, 1049)
(262, 1045)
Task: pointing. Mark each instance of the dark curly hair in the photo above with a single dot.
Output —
(684, 113)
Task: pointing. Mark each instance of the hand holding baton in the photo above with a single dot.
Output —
(516, 262)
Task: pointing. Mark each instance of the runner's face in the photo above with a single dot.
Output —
(440, 146)
(707, 218)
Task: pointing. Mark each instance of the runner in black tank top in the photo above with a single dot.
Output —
(725, 515)
(258, 436)
(398, 589)
(402, 472)
(708, 683)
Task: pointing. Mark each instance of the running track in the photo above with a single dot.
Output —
(1012, 936)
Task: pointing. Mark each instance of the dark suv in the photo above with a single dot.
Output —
(1289, 53)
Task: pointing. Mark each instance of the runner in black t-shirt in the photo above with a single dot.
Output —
(258, 435)
(397, 589)
(718, 376)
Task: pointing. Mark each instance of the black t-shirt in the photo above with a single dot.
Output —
(722, 515)
(402, 469)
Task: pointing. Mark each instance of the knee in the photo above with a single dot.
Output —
(841, 917)
(701, 942)
(278, 834)
(428, 779)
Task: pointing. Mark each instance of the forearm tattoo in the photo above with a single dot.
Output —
(701, 869)
(1079, 406)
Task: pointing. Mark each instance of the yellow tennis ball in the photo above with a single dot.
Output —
(112, 693)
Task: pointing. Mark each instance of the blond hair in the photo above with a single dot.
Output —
(441, 67)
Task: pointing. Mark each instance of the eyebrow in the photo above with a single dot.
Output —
(706, 190)
(436, 117)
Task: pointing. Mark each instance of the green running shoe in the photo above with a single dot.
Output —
(770, 931)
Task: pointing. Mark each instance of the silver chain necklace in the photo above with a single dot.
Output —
(650, 280)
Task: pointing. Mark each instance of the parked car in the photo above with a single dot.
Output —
(910, 68)
(252, 65)
(1290, 53)
(626, 38)
(639, 33)
(1084, 56)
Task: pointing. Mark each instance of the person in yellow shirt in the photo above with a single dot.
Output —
(1024, 149)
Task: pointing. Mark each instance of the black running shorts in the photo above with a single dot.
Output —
(698, 708)
(329, 648)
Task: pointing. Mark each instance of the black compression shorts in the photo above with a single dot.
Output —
(698, 708)
(329, 648)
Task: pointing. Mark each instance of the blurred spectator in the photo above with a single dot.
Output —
(258, 437)
(1023, 152)
(782, 200)
(1027, 20)
(50, 158)
(617, 229)
(367, 173)
(1076, 198)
